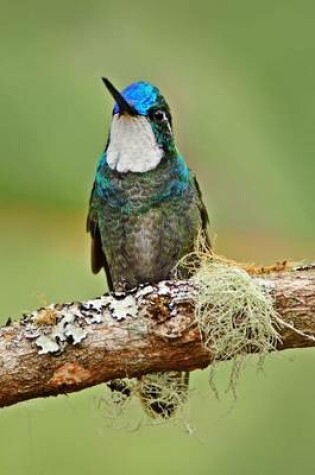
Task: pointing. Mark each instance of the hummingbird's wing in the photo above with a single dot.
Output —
(98, 257)
(203, 213)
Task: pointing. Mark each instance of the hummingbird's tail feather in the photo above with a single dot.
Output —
(161, 394)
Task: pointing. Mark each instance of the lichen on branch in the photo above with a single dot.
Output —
(171, 326)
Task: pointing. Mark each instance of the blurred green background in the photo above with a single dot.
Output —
(240, 78)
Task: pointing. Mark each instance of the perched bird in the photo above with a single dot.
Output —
(145, 208)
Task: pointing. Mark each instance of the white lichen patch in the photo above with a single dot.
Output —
(95, 318)
(167, 288)
(53, 338)
(96, 305)
(163, 289)
(124, 308)
(144, 291)
(47, 345)
(70, 321)
(76, 333)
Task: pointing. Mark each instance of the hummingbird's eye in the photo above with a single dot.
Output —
(159, 116)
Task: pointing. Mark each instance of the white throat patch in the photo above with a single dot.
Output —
(132, 145)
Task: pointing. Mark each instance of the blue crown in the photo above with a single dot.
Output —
(141, 95)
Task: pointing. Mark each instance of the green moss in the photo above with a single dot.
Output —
(235, 312)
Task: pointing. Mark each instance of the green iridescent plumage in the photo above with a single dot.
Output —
(142, 222)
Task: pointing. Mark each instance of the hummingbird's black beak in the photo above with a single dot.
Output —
(122, 103)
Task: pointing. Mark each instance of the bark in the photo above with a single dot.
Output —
(67, 347)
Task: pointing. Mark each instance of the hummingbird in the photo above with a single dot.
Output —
(146, 208)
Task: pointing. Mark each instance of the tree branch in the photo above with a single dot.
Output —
(67, 347)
